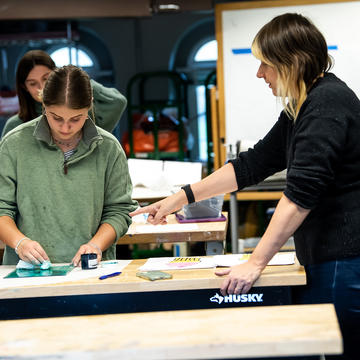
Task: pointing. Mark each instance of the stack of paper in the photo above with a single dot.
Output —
(196, 262)
(178, 263)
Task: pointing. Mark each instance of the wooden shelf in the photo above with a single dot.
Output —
(256, 195)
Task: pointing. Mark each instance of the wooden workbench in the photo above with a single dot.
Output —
(206, 334)
(188, 289)
(128, 282)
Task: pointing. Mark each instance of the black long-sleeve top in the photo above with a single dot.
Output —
(321, 151)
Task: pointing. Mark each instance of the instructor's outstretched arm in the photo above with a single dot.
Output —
(220, 182)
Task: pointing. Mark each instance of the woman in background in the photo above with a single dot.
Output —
(316, 139)
(31, 75)
(65, 188)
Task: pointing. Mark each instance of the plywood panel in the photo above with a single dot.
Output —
(196, 334)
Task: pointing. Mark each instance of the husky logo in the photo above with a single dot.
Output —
(217, 298)
(237, 298)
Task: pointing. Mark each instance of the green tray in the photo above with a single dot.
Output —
(61, 270)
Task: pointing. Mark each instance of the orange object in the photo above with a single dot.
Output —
(143, 138)
(144, 142)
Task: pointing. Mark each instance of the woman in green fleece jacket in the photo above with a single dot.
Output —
(65, 188)
(32, 72)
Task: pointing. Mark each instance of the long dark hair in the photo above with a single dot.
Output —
(70, 86)
(32, 58)
(296, 48)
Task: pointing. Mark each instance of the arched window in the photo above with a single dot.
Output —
(71, 55)
(88, 52)
(202, 62)
(207, 52)
(78, 55)
(195, 55)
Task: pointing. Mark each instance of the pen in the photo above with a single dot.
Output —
(109, 275)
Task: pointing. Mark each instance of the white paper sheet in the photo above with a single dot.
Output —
(182, 172)
(148, 229)
(145, 172)
(106, 267)
(140, 193)
(281, 258)
(158, 178)
(178, 263)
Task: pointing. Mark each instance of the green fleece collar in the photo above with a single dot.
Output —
(42, 132)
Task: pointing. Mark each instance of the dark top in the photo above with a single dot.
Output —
(321, 152)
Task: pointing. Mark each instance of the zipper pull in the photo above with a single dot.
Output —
(65, 168)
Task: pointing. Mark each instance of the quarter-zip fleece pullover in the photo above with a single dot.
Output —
(63, 211)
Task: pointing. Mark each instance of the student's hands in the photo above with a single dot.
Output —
(32, 252)
(240, 278)
(159, 210)
(88, 248)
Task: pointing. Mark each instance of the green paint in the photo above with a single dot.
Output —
(37, 272)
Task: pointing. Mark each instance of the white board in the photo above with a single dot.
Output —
(250, 108)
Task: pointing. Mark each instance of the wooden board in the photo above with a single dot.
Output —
(289, 275)
(221, 333)
(68, 9)
(215, 127)
(256, 195)
(207, 231)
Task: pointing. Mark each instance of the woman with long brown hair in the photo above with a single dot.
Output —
(31, 75)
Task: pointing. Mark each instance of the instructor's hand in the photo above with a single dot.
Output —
(159, 210)
(32, 252)
(240, 278)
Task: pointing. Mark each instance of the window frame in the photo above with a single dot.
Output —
(90, 69)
